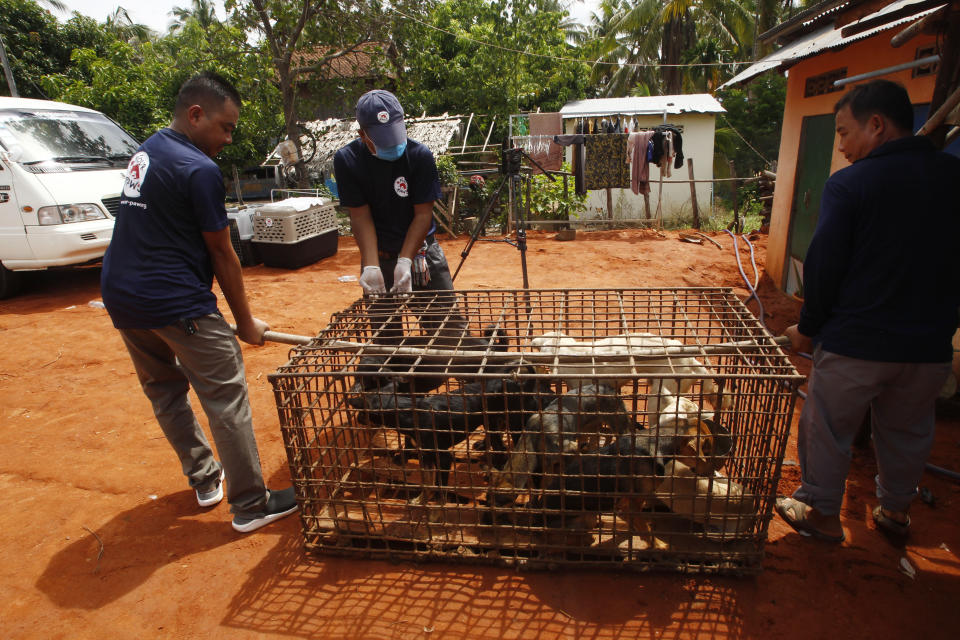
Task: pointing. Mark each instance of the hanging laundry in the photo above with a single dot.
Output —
(606, 162)
(678, 149)
(667, 158)
(544, 126)
(638, 145)
(677, 144)
(579, 157)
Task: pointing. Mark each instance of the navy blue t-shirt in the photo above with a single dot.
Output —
(881, 278)
(390, 188)
(157, 269)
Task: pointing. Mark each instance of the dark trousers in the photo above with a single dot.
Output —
(436, 311)
(901, 399)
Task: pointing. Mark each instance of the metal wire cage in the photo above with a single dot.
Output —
(640, 429)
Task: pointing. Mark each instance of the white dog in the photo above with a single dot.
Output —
(664, 402)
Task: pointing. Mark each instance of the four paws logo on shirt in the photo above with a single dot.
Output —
(136, 172)
(400, 186)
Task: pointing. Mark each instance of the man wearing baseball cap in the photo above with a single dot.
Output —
(389, 184)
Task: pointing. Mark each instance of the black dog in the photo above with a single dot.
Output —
(593, 483)
(419, 374)
(433, 424)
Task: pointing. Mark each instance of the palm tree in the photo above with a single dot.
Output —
(663, 34)
(203, 12)
(626, 47)
(124, 28)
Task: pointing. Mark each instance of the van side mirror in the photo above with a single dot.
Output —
(13, 154)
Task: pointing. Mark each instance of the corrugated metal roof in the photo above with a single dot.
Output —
(823, 39)
(808, 18)
(642, 106)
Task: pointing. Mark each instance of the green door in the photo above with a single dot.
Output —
(813, 169)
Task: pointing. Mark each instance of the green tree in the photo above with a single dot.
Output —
(136, 84)
(671, 46)
(304, 37)
(33, 45)
(756, 113)
(495, 58)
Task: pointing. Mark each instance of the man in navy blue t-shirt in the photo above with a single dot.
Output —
(389, 184)
(169, 241)
(881, 307)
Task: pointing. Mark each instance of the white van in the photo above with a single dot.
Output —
(61, 173)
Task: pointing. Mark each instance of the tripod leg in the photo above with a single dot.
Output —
(481, 223)
(523, 212)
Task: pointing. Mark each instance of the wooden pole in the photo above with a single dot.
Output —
(693, 195)
(646, 203)
(453, 208)
(466, 133)
(439, 216)
(7, 71)
(951, 136)
(236, 185)
(535, 357)
(488, 133)
(610, 206)
(904, 36)
(946, 89)
(941, 114)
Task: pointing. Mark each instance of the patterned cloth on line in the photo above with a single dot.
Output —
(606, 166)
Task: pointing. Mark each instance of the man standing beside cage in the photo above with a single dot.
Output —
(389, 184)
(170, 239)
(880, 306)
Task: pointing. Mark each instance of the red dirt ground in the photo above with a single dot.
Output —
(85, 464)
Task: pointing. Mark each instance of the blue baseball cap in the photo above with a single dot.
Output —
(379, 114)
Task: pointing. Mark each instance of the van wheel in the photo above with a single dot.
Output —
(9, 282)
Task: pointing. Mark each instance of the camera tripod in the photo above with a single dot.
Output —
(514, 174)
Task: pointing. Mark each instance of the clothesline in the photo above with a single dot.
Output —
(637, 130)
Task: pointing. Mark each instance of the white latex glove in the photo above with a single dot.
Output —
(371, 279)
(402, 276)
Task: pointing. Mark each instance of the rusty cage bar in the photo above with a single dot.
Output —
(640, 429)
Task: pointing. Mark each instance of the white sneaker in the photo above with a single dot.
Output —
(279, 504)
(214, 496)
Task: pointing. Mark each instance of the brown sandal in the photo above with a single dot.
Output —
(895, 531)
(800, 516)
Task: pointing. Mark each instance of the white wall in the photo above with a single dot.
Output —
(698, 133)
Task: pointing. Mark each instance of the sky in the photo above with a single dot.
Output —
(153, 13)
(156, 13)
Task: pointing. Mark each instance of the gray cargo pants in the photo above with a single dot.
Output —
(168, 361)
(901, 398)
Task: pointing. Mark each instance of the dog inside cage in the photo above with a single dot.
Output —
(630, 428)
